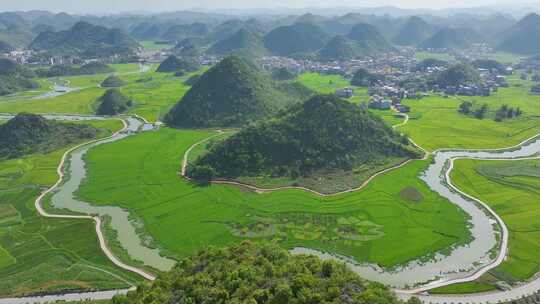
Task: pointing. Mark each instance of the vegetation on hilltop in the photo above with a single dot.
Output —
(175, 64)
(413, 32)
(244, 42)
(113, 102)
(364, 78)
(87, 40)
(294, 39)
(231, 93)
(369, 39)
(90, 68)
(259, 273)
(340, 48)
(459, 74)
(15, 78)
(113, 81)
(323, 133)
(30, 133)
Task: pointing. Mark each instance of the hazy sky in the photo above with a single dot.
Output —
(112, 6)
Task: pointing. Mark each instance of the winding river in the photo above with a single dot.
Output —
(487, 249)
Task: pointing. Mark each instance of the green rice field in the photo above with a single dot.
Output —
(140, 174)
(512, 189)
(39, 255)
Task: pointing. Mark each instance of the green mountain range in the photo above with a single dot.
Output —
(298, 38)
(86, 40)
(522, 38)
(413, 32)
(449, 38)
(231, 93)
(242, 42)
(175, 64)
(369, 39)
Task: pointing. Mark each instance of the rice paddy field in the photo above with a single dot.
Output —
(182, 217)
(512, 189)
(436, 123)
(153, 94)
(39, 255)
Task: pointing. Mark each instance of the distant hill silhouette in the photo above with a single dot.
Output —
(413, 32)
(242, 42)
(449, 38)
(369, 39)
(522, 38)
(295, 39)
(86, 40)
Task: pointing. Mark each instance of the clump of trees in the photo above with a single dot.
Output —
(113, 102)
(504, 112)
(259, 273)
(363, 78)
(459, 74)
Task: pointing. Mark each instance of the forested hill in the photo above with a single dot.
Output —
(259, 273)
(29, 133)
(233, 93)
(87, 40)
(323, 133)
(14, 77)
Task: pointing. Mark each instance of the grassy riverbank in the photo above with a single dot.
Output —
(40, 255)
(512, 189)
(183, 217)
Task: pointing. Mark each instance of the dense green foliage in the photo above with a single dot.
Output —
(244, 42)
(363, 78)
(283, 74)
(231, 93)
(175, 64)
(90, 68)
(524, 37)
(86, 40)
(449, 38)
(369, 39)
(459, 74)
(15, 78)
(113, 81)
(413, 32)
(113, 102)
(341, 48)
(323, 133)
(29, 133)
(295, 39)
(489, 64)
(259, 273)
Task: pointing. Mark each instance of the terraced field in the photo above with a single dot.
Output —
(182, 217)
(46, 255)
